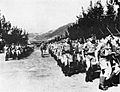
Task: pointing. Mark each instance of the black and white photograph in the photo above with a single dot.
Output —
(59, 45)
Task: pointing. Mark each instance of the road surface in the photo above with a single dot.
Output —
(37, 74)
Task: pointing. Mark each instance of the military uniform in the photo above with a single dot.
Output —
(104, 52)
(89, 50)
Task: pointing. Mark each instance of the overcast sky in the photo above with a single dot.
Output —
(40, 16)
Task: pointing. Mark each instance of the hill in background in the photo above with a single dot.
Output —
(49, 34)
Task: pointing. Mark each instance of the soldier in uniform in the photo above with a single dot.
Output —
(79, 56)
(42, 48)
(6, 48)
(89, 56)
(12, 50)
(18, 50)
(115, 63)
(103, 56)
(66, 55)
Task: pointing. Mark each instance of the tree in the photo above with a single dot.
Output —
(12, 34)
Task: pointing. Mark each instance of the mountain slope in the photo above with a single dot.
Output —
(51, 34)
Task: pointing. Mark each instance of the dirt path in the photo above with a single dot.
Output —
(37, 74)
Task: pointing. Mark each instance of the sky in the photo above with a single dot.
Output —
(40, 16)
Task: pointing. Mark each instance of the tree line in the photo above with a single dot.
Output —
(97, 21)
(12, 34)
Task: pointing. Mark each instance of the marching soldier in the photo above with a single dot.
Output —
(115, 63)
(103, 56)
(89, 56)
(6, 50)
(18, 50)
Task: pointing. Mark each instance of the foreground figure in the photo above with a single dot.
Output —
(105, 56)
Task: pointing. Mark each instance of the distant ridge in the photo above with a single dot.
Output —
(50, 34)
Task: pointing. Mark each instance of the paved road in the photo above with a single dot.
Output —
(37, 74)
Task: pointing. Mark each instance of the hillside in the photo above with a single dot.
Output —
(32, 36)
(51, 33)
